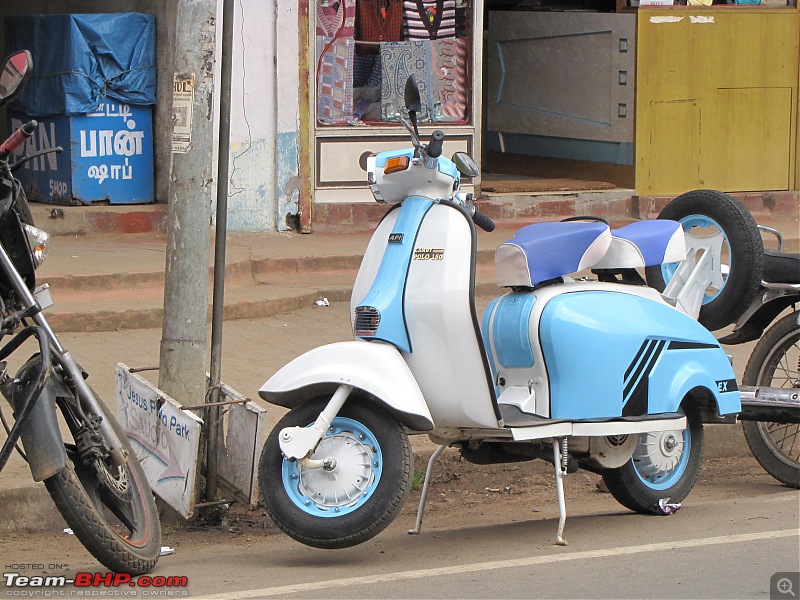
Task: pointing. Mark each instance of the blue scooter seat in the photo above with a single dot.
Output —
(545, 251)
(644, 244)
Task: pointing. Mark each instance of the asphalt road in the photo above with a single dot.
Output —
(714, 547)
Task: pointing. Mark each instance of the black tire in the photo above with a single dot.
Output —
(289, 490)
(775, 362)
(744, 253)
(639, 484)
(93, 510)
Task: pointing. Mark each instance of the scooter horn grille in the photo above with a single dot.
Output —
(367, 320)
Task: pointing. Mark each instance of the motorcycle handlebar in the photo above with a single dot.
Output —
(17, 139)
(482, 221)
(434, 148)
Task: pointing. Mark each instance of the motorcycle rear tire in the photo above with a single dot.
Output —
(745, 246)
(641, 493)
(776, 446)
(134, 550)
(360, 497)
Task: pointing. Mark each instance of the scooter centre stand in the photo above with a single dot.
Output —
(560, 459)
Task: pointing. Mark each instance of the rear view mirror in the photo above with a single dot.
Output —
(465, 164)
(16, 70)
(411, 95)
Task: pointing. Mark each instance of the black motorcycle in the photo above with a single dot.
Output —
(90, 470)
(774, 434)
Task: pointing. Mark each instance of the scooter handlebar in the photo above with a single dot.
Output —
(434, 148)
(482, 221)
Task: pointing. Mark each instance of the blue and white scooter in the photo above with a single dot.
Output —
(613, 377)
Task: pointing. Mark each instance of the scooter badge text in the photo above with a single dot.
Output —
(428, 254)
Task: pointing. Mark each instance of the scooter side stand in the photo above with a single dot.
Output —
(424, 495)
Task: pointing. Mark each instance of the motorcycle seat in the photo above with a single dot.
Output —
(781, 267)
(546, 251)
(644, 244)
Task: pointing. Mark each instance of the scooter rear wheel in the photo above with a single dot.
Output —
(664, 465)
(359, 497)
(775, 362)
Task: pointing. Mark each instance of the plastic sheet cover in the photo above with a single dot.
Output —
(79, 60)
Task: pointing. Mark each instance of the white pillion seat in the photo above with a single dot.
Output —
(644, 244)
(545, 251)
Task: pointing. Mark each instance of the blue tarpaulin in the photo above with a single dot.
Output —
(79, 60)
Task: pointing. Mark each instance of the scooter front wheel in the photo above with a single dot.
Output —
(664, 465)
(356, 499)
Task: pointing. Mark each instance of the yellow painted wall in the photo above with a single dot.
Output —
(717, 99)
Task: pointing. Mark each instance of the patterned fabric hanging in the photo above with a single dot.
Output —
(429, 19)
(398, 61)
(449, 79)
(337, 17)
(378, 21)
(335, 80)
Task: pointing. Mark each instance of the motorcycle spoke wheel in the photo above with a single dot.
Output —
(775, 362)
(357, 495)
(110, 509)
(664, 465)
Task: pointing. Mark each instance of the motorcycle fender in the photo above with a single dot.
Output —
(41, 436)
(374, 368)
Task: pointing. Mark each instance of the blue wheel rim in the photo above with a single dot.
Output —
(668, 269)
(669, 478)
(309, 489)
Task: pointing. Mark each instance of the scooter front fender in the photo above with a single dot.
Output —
(375, 368)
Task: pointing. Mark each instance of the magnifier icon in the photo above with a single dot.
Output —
(784, 586)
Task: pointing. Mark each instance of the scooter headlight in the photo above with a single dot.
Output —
(38, 242)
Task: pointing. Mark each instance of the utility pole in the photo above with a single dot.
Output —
(191, 187)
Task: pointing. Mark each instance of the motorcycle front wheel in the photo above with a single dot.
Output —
(775, 362)
(110, 509)
(664, 465)
(354, 500)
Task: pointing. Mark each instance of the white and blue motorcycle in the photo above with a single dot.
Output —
(606, 373)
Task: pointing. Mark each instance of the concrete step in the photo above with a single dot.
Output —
(116, 281)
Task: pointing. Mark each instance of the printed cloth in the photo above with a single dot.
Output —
(449, 79)
(337, 17)
(429, 19)
(399, 60)
(378, 21)
(440, 69)
(335, 79)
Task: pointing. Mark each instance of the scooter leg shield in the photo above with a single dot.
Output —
(41, 436)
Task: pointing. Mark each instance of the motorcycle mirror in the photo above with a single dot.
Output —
(16, 70)
(465, 164)
(362, 160)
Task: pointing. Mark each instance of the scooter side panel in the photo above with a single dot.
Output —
(374, 367)
(447, 358)
(612, 354)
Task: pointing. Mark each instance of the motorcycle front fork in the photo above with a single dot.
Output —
(72, 372)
